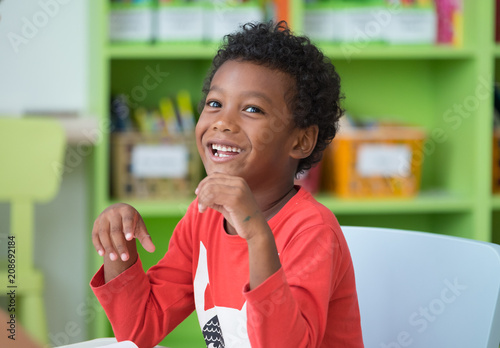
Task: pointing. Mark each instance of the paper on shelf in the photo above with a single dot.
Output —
(160, 161)
(383, 160)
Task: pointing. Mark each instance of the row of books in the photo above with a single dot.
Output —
(387, 21)
(173, 116)
(179, 20)
(340, 21)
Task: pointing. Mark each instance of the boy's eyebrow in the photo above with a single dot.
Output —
(246, 94)
(258, 95)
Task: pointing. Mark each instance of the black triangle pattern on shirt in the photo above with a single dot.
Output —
(213, 334)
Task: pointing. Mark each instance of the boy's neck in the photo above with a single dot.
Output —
(271, 205)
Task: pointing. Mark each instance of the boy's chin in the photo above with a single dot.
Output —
(220, 171)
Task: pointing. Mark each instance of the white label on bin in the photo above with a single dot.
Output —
(160, 161)
(383, 160)
(131, 24)
(412, 26)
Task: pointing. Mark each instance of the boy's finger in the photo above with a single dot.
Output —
(118, 239)
(214, 193)
(129, 222)
(142, 234)
(95, 238)
(105, 238)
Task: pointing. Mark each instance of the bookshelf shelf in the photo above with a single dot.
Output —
(400, 52)
(205, 50)
(495, 202)
(496, 50)
(425, 202)
(162, 50)
(163, 208)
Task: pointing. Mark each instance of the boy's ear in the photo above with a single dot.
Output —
(305, 142)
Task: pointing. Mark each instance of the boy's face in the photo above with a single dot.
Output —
(246, 128)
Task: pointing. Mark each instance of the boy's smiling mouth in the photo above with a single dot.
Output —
(223, 151)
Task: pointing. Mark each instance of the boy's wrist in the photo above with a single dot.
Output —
(256, 228)
(113, 269)
(263, 256)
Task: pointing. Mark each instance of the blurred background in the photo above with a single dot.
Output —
(418, 147)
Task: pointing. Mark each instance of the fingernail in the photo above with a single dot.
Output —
(100, 252)
(129, 236)
(124, 257)
(112, 257)
(199, 207)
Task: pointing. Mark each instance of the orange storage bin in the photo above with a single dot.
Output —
(375, 162)
(496, 161)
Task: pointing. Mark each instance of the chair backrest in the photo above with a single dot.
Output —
(419, 289)
(31, 158)
(31, 163)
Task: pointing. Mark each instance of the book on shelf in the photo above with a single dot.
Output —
(385, 21)
(174, 115)
(450, 22)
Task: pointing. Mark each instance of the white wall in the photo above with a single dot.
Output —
(44, 67)
(43, 62)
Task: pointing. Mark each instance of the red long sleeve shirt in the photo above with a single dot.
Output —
(310, 301)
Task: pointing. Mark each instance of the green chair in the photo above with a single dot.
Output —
(31, 159)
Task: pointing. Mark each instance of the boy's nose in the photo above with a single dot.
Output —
(225, 123)
(221, 126)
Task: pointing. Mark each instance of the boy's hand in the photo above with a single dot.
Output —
(231, 196)
(114, 232)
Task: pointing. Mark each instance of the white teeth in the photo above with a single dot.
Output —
(225, 148)
(221, 155)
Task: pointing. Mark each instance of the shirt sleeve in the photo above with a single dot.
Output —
(290, 308)
(145, 307)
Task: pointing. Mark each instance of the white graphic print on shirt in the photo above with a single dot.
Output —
(221, 326)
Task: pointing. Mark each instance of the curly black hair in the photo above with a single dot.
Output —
(317, 96)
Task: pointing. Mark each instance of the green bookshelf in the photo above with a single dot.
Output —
(399, 52)
(421, 85)
(162, 51)
(164, 208)
(425, 203)
(495, 202)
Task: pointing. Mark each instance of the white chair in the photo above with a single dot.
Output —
(425, 290)
(107, 342)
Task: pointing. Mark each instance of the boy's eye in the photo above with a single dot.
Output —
(253, 109)
(214, 104)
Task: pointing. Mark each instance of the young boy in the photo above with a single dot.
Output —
(260, 260)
